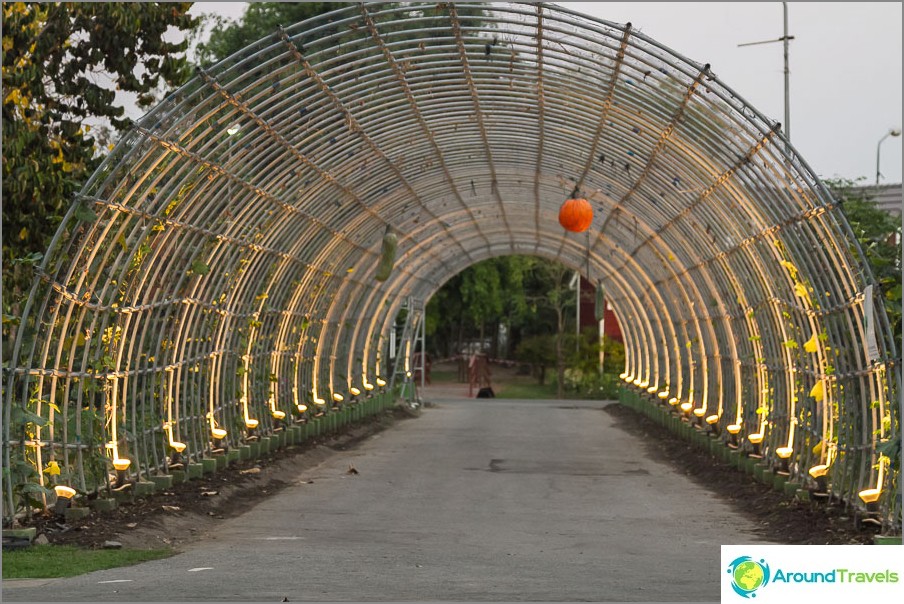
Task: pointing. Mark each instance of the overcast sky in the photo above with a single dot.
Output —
(845, 65)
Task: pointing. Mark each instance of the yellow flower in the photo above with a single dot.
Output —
(817, 392)
(792, 270)
(52, 469)
(812, 344)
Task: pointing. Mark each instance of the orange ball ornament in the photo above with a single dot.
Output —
(576, 215)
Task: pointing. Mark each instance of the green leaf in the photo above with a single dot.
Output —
(31, 259)
(199, 268)
(22, 471)
(890, 449)
(84, 214)
(24, 416)
(31, 487)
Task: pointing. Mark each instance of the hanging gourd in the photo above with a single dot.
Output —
(599, 309)
(387, 255)
(575, 215)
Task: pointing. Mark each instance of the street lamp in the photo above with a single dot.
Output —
(891, 132)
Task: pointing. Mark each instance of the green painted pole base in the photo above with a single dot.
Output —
(22, 533)
(791, 489)
(163, 482)
(122, 497)
(144, 488)
(779, 481)
(76, 513)
(104, 504)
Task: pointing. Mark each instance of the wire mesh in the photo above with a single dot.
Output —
(215, 277)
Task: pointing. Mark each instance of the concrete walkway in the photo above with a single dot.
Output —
(476, 500)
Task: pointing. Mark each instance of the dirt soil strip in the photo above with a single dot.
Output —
(188, 511)
(775, 516)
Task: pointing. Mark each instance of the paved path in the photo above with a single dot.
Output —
(476, 500)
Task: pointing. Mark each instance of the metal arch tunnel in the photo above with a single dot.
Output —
(215, 278)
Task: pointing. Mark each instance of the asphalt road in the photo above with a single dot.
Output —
(477, 500)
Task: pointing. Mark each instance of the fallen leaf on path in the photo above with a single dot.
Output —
(250, 471)
(171, 508)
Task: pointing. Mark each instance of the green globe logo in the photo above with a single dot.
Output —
(748, 575)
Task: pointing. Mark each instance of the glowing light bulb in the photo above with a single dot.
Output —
(381, 382)
(686, 406)
(355, 391)
(663, 395)
(784, 452)
(302, 407)
(251, 423)
(712, 419)
(673, 401)
(174, 444)
(64, 492)
(733, 428)
(218, 433)
(869, 495)
(121, 463)
(652, 389)
(818, 471)
(755, 438)
(368, 386)
(277, 414)
(699, 412)
(338, 397)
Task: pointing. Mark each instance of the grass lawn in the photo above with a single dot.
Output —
(525, 387)
(48, 561)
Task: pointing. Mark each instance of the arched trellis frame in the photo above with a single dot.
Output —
(215, 277)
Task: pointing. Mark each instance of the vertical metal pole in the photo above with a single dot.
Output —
(577, 296)
(786, 40)
(602, 346)
(423, 339)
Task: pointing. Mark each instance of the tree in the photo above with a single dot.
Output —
(62, 66)
(557, 298)
(879, 234)
(539, 351)
(259, 21)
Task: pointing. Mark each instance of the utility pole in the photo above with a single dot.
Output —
(785, 39)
